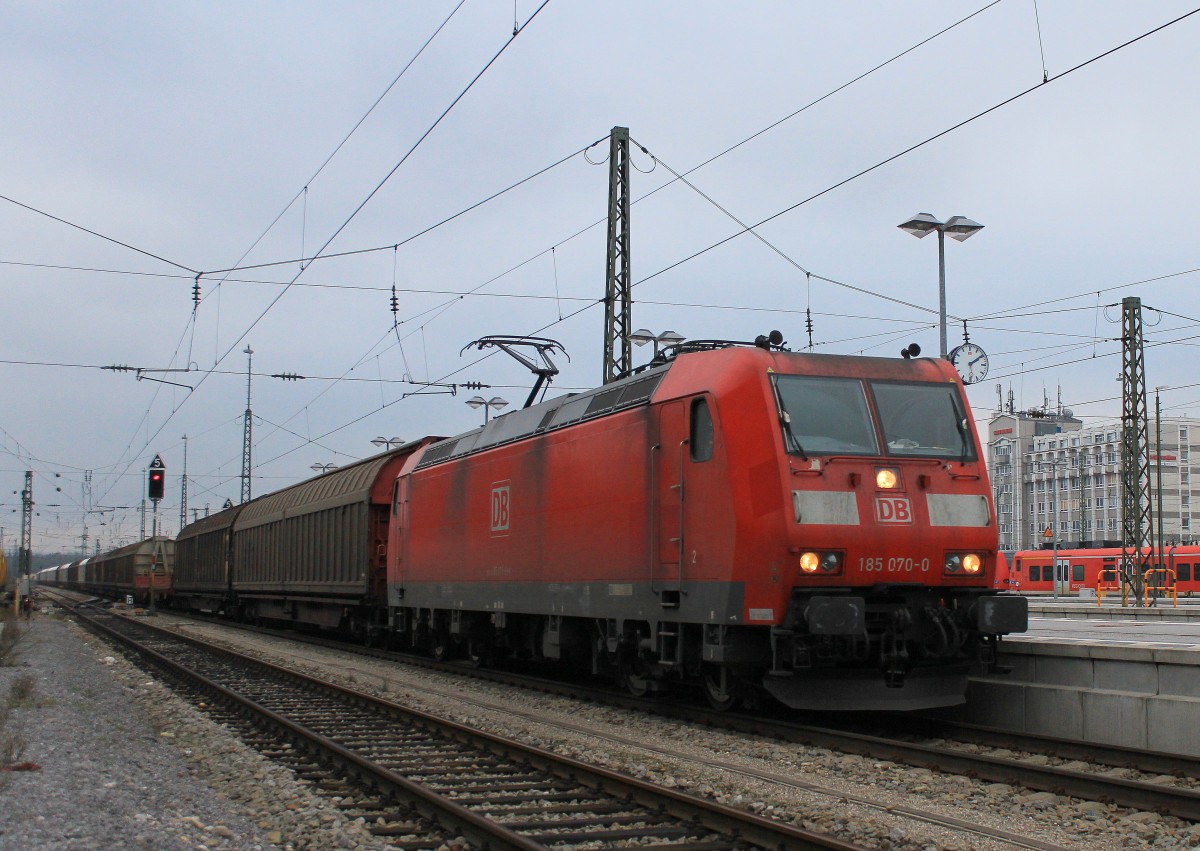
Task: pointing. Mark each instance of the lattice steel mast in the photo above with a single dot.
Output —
(183, 489)
(1136, 521)
(248, 430)
(25, 566)
(618, 282)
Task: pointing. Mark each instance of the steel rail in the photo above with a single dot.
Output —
(749, 829)
(1156, 797)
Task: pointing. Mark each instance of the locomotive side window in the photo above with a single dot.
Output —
(926, 420)
(703, 434)
(1077, 573)
(1035, 573)
(824, 415)
(1183, 572)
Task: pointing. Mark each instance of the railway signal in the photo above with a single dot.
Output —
(156, 481)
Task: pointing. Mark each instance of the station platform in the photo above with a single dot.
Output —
(1125, 676)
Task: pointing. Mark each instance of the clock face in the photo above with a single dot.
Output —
(971, 362)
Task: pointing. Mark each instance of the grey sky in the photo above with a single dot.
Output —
(185, 129)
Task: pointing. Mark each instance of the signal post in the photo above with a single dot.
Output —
(156, 482)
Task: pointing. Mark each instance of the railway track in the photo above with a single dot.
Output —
(892, 740)
(424, 781)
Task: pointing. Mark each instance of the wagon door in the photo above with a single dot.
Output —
(398, 540)
(1062, 577)
(670, 449)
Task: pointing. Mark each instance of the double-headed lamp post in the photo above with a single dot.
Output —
(488, 405)
(667, 338)
(387, 444)
(960, 228)
(323, 468)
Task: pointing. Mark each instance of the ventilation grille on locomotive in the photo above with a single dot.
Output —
(556, 414)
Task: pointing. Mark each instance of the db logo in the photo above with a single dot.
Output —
(501, 495)
(893, 509)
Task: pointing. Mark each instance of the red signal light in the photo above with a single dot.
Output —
(154, 488)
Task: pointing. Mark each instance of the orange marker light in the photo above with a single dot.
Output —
(809, 562)
(886, 479)
(971, 563)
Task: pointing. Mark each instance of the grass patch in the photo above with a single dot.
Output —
(12, 748)
(10, 641)
(22, 691)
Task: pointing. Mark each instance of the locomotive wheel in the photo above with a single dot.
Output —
(720, 689)
(477, 652)
(439, 647)
(635, 678)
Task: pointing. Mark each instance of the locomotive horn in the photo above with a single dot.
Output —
(769, 341)
(910, 351)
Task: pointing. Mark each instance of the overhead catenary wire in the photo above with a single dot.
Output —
(752, 230)
(355, 212)
(102, 236)
(867, 73)
(745, 140)
(199, 274)
(865, 171)
(916, 146)
(346, 139)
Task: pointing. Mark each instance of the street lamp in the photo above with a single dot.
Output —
(661, 341)
(323, 468)
(388, 442)
(495, 402)
(960, 228)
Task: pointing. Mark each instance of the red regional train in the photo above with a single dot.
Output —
(1176, 568)
(735, 517)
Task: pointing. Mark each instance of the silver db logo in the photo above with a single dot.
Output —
(500, 506)
(893, 509)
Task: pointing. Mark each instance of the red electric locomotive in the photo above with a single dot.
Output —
(741, 517)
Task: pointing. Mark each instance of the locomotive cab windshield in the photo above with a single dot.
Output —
(832, 416)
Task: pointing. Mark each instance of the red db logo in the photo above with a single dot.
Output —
(893, 509)
(500, 507)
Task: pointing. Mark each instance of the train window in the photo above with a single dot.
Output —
(702, 431)
(1035, 573)
(824, 416)
(1183, 572)
(927, 420)
(1077, 573)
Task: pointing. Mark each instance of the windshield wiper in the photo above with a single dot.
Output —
(961, 424)
(785, 420)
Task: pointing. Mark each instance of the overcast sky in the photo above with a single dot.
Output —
(189, 132)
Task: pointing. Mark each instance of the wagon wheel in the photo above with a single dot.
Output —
(721, 689)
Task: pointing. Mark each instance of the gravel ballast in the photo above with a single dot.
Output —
(124, 763)
(116, 761)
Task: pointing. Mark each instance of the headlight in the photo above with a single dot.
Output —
(969, 563)
(886, 478)
(824, 562)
